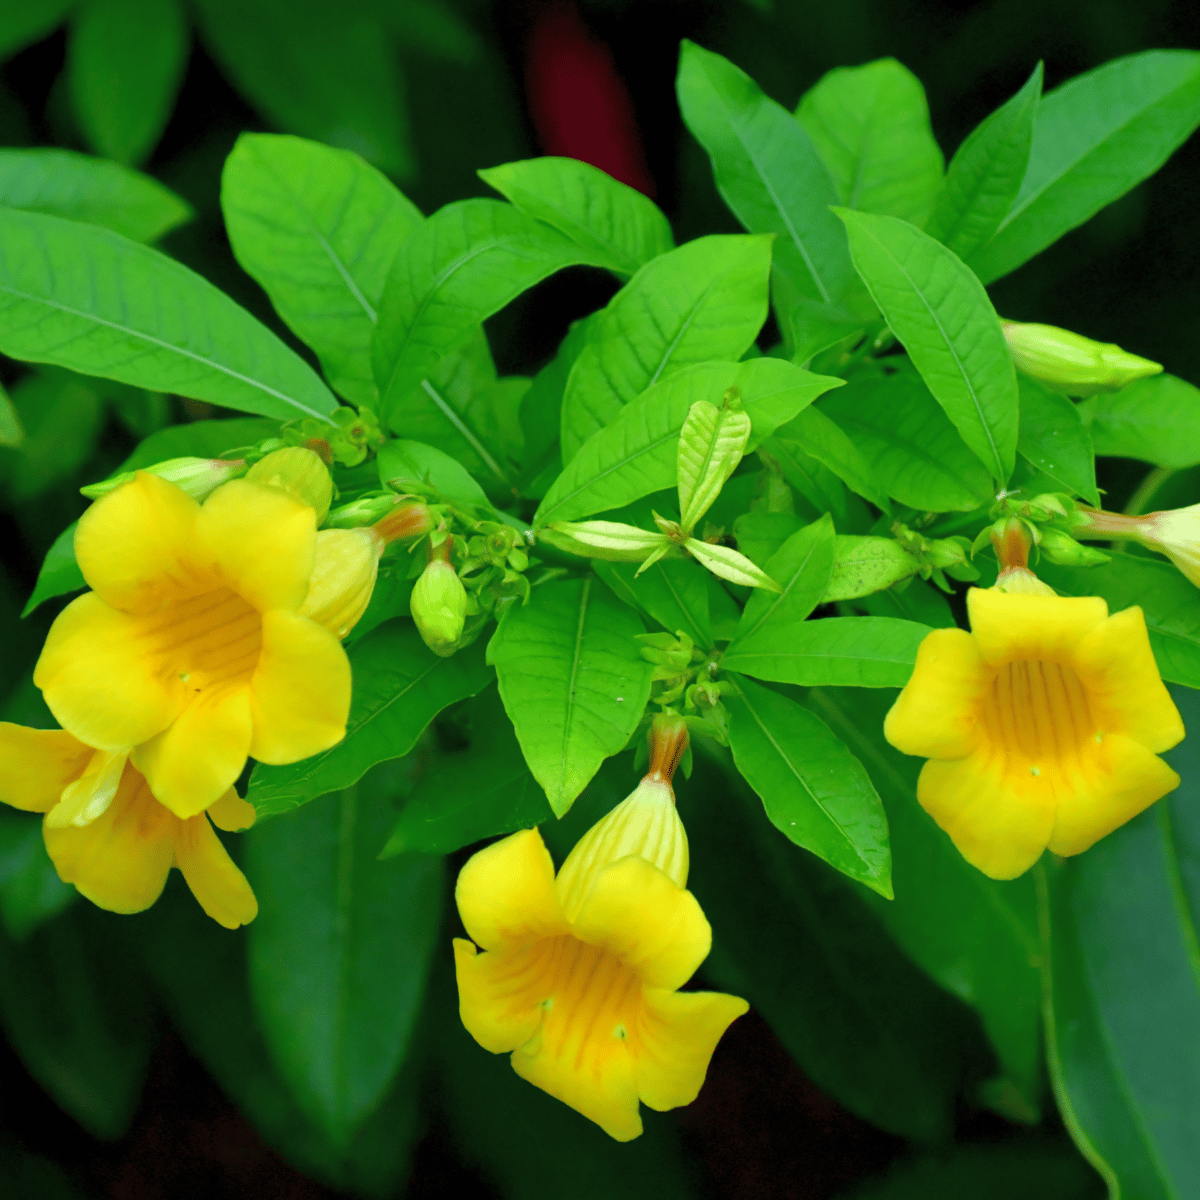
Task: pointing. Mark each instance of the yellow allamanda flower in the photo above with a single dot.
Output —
(192, 651)
(579, 975)
(1042, 725)
(107, 834)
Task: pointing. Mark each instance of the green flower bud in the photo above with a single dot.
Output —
(298, 472)
(1068, 362)
(196, 476)
(439, 607)
(1063, 549)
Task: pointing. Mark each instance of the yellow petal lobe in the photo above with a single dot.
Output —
(218, 885)
(231, 813)
(37, 764)
(1007, 627)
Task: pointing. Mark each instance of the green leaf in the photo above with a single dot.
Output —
(319, 229)
(28, 22)
(60, 572)
(125, 62)
(12, 433)
(870, 125)
(814, 434)
(939, 310)
(985, 174)
(768, 171)
(910, 445)
(637, 454)
(814, 481)
(573, 682)
(340, 949)
(400, 685)
(1156, 420)
(201, 439)
(814, 790)
(875, 652)
(863, 565)
(64, 183)
(335, 81)
(402, 463)
(474, 793)
(1055, 440)
(711, 444)
(1093, 139)
(674, 592)
(919, 602)
(705, 301)
(462, 265)
(608, 218)
(759, 535)
(96, 302)
(728, 564)
(30, 889)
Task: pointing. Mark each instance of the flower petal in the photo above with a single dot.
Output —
(85, 799)
(1125, 691)
(137, 546)
(37, 764)
(232, 813)
(1120, 778)
(1000, 820)
(646, 921)
(500, 993)
(300, 690)
(216, 883)
(263, 542)
(506, 895)
(1008, 627)
(673, 1041)
(121, 860)
(99, 679)
(195, 760)
(937, 713)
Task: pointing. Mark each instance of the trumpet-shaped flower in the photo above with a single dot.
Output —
(1042, 725)
(579, 975)
(191, 647)
(107, 834)
(1174, 532)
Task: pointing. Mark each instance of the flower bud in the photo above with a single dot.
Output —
(196, 476)
(1068, 362)
(344, 570)
(439, 607)
(298, 472)
(1063, 549)
(414, 519)
(366, 510)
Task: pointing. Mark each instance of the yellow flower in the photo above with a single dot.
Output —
(579, 977)
(1042, 725)
(107, 834)
(191, 648)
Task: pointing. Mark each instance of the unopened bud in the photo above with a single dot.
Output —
(1070, 363)
(345, 565)
(298, 472)
(439, 607)
(413, 519)
(196, 476)
(1063, 549)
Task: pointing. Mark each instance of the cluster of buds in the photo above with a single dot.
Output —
(347, 438)
(684, 673)
(1049, 524)
(1070, 363)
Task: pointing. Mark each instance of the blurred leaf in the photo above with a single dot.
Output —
(27, 22)
(674, 592)
(12, 433)
(591, 208)
(474, 793)
(819, 437)
(319, 229)
(1156, 420)
(941, 313)
(67, 184)
(1054, 439)
(431, 27)
(125, 62)
(333, 80)
(573, 681)
(93, 301)
(402, 462)
(30, 889)
(636, 455)
(60, 572)
(78, 1013)
(201, 439)
(28, 1174)
(400, 685)
(985, 174)
(707, 300)
(340, 950)
(1093, 139)
(870, 125)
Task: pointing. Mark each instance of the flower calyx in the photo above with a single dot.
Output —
(938, 557)
(1049, 525)
(348, 438)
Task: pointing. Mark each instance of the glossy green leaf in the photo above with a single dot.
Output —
(402, 463)
(474, 793)
(1156, 420)
(815, 482)
(30, 889)
(60, 573)
(870, 125)
(939, 310)
(125, 62)
(464, 264)
(817, 436)
(760, 534)
(67, 184)
(1054, 439)
(730, 565)
(705, 301)
(985, 175)
(674, 592)
(400, 685)
(1093, 139)
(28, 22)
(98, 303)
(637, 454)
(589, 206)
(202, 439)
(573, 682)
(340, 949)
(910, 445)
(813, 789)
(768, 171)
(319, 229)
(711, 444)
(862, 565)
(920, 602)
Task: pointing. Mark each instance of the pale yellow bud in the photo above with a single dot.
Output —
(345, 565)
(1068, 362)
(439, 607)
(299, 473)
